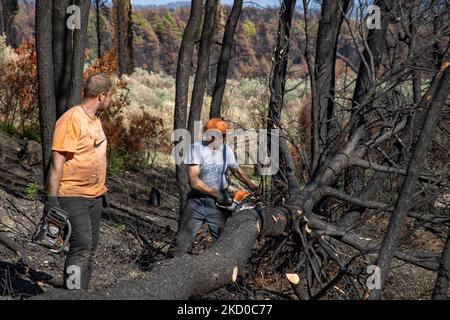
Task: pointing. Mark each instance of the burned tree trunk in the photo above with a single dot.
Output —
(123, 36)
(225, 55)
(61, 51)
(2, 22)
(182, 86)
(98, 29)
(372, 55)
(79, 40)
(279, 67)
(201, 75)
(277, 89)
(8, 11)
(60, 57)
(367, 73)
(403, 203)
(322, 114)
(47, 98)
(68, 55)
(412, 33)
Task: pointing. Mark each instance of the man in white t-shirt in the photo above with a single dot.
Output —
(207, 164)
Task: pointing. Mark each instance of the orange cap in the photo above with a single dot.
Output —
(216, 124)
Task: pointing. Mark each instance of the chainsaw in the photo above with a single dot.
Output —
(239, 198)
(54, 230)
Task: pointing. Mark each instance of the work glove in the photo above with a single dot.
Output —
(224, 199)
(49, 202)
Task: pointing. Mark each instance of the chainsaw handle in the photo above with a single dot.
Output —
(231, 207)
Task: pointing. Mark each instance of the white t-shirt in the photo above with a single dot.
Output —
(213, 163)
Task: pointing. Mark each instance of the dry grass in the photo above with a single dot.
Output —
(245, 102)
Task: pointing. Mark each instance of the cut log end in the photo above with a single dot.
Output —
(235, 274)
(293, 278)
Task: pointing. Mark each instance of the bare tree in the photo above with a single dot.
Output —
(198, 92)
(182, 85)
(2, 23)
(224, 59)
(370, 63)
(277, 89)
(68, 55)
(8, 11)
(47, 97)
(323, 116)
(98, 29)
(60, 57)
(123, 35)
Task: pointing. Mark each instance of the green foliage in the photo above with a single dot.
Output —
(249, 28)
(171, 21)
(141, 26)
(28, 132)
(140, 21)
(166, 24)
(122, 226)
(31, 133)
(9, 128)
(116, 163)
(31, 191)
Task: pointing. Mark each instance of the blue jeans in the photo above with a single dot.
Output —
(199, 209)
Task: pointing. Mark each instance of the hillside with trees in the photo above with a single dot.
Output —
(157, 33)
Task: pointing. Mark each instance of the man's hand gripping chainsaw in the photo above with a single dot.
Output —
(54, 230)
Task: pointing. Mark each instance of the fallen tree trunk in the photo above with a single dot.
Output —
(185, 276)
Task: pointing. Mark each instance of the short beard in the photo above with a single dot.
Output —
(101, 107)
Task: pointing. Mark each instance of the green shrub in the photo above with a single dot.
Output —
(116, 163)
(9, 128)
(31, 191)
(31, 133)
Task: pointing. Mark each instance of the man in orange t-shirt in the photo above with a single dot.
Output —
(77, 175)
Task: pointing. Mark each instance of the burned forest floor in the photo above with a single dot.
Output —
(134, 235)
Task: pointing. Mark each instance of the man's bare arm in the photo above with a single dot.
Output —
(242, 176)
(196, 183)
(55, 173)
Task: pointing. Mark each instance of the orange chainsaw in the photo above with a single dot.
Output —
(239, 197)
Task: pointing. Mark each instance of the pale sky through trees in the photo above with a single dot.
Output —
(160, 2)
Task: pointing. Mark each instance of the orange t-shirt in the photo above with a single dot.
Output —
(84, 141)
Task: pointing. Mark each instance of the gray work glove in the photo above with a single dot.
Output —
(224, 199)
(49, 202)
